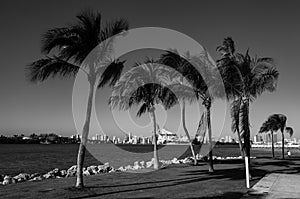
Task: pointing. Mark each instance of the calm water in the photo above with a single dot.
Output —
(31, 158)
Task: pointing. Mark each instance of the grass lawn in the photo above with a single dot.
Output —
(175, 181)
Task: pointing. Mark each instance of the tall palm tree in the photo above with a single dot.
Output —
(184, 92)
(274, 123)
(146, 86)
(66, 49)
(245, 79)
(198, 74)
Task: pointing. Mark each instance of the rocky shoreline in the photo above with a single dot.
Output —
(96, 170)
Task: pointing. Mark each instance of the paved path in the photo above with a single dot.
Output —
(276, 185)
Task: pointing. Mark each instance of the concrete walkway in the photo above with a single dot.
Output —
(276, 185)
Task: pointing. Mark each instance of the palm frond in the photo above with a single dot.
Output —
(264, 79)
(143, 109)
(227, 48)
(58, 37)
(290, 131)
(113, 28)
(42, 69)
(111, 73)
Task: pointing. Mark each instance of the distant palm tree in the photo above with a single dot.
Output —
(276, 122)
(69, 46)
(146, 86)
(184, 92)
(196, 79)
(245, 79)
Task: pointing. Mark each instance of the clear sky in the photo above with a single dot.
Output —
(268, 28)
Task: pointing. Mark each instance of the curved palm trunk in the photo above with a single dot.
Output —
(240, 143)
(155, 153)
(187, 133)
(282, 145)
(85, 133)
(238, 132)
(210, 161)
(273, 154)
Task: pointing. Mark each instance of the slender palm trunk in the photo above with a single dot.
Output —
(282, 145)
(246, 125)
(210, 161)
(240, 143)
(187, 133)
(273, 154)
(84, 138)
(155, 153)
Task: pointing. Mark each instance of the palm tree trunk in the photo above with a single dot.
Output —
(282, 145)
(210, 161)
(155, 153)
(187, 133)
(84, 138)
(240, 143)
(273, 154)
(246, 128)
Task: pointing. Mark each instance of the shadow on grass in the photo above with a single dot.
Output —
(258, 169)
(231, 174)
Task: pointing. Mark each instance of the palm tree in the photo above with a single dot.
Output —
(190, 67)
(274, 123)
(245, 79)
(145, 86)
(184, 92)
(66, 49)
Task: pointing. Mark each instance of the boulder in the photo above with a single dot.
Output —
(72, 171)
(63, 173)
(100, 169)
(86, 173)
(136, 166)
(38, 178)
(128, 167)
(111, 170)
(142, 163)
(34, 175)
(107, 168)
(48, 176)
(175, 161)
(21, 177)
(93, 169)
(14, 181)
(188, 160)
(7, 180)
(121, 169)
(149, 164)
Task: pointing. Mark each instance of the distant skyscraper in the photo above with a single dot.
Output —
(255, 138)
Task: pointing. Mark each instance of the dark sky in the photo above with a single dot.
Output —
(268, 28)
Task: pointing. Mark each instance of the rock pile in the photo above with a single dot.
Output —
(56, 173)
(92, 170)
